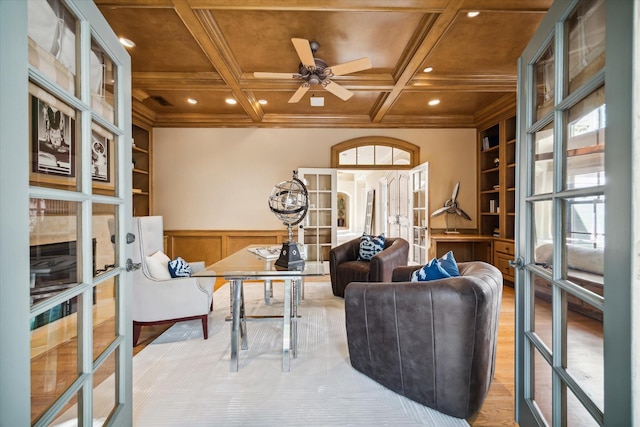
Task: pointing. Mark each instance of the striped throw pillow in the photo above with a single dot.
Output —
(179, 268)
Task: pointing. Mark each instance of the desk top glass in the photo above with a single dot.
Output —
(247, 264)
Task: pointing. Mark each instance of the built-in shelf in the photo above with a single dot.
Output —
(141, 172)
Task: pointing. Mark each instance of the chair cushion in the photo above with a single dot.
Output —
(433, 270)
(158, 266)
(370, 246)
(179, 268)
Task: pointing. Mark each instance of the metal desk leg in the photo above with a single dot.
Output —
(286, 326)
(268, 291)
(295, 300)
(238, 329)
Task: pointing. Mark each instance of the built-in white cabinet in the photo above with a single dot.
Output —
(318, 231)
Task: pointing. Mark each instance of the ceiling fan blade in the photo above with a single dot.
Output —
(304, 52)
(304, 87)
(440, 211)
(337, 90)
(455, 191)
(260, 75)
(351, 67)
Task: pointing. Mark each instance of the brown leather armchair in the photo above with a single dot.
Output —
(345, 267)
(432, 342)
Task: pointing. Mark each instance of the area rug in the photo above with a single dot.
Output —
(180, 379)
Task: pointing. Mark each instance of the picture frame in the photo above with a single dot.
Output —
(53, 142)
(102, 159)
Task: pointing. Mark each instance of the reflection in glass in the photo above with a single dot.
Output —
(543, 231)
(55, 256)
(584, 224)
(586, 29)
(54, 356)
(52, 135)
(585, 336)
(105, 389)
(104, 316)
(52, 41)
(541, 371)
(103, 161)
(543, 155)
(103, 228)
(103, 82)
(545, 83)
(586, 142)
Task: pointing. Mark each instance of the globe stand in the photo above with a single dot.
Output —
(290, 257)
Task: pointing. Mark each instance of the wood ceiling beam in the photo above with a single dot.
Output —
(437, 31)
(206, 38)
(428, 6)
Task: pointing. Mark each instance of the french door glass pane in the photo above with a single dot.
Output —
(52, 42)
(104, 216)
(53, 149)
(103, 82)
(585, 142)
(103, 161)
(543, 158)
(542, 379)
(544, 82)
(585, 232)
(542, 310)
(542, 216)
(104, 316)
(577, 415)
(585, 352)
(54, 355)
(55, 256)
(586, 29)
(104, 390)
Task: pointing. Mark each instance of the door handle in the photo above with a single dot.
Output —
(516, 263)
(132, 266)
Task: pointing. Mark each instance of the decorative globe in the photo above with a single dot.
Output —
(289, 201)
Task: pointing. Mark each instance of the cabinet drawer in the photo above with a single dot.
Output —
(502, 262)
(503, 247)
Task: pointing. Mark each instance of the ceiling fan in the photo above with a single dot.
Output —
(315, 71)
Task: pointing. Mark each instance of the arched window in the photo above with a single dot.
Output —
(375, 152)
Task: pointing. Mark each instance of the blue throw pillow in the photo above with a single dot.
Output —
(448, 262)
(433, 270)
(370, 246)
(179, 268)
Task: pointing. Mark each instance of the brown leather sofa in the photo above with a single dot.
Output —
(432, 342)
(345, 267)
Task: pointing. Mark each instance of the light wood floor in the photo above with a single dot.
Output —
(498, 408)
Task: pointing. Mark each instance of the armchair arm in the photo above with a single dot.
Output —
(348, 251)
(155, 300)
(383, 264)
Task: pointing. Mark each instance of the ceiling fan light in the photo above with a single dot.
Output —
(314, 80)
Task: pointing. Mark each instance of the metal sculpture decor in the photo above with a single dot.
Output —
(452, 209)
(289, 201)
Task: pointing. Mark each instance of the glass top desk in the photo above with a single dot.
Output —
(246, 265)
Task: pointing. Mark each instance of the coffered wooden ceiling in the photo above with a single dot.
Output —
(209, 49)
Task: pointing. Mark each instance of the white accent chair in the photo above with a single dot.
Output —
(165, 301)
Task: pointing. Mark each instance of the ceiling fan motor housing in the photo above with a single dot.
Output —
(314, 76)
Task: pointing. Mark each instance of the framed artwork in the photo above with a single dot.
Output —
(52, 141)
(102, 158)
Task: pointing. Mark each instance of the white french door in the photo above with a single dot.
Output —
(66, 119)
(398, 204)
(419, 242)
(573, 190)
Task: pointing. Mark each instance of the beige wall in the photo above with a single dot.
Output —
(208, 179)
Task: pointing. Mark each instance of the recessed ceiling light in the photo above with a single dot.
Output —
(473, 14)
(428, 69)
(434, 102)
(192, 101)
(126, 42)
(231, 101)
(262, 102)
